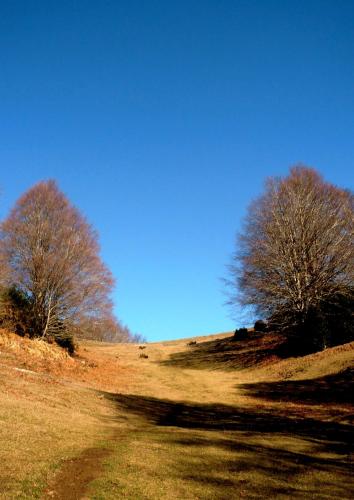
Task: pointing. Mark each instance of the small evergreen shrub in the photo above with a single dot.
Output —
(260, 326)
(67, 343)
(15, 311)
(240, 333)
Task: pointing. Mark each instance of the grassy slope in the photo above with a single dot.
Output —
(222, 419)
(44, 420)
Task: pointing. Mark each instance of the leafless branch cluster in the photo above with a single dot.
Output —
(295, 253)
(107, 328)
(51, 257)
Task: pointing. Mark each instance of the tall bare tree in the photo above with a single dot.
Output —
(295, 253)
(52, 257)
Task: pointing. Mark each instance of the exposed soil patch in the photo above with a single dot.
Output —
(75, 475)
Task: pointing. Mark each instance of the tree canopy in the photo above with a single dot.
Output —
(51, 257)
(294, 257)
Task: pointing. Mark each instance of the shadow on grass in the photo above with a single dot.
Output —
(217, 417)
(337, 388)
(262, 453)
(230, 353)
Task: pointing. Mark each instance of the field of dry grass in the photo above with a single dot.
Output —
(219, 419)
(44, 420)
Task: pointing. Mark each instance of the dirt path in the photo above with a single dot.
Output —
(75, 475)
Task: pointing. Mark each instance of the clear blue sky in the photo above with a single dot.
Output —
(160, 121)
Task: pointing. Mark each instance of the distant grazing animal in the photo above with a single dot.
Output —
(192, 342)
(143, 355)
(142, 346)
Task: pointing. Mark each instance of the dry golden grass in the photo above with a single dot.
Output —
(36, 348)
(189, 431)
(222, 419)
(315, 365)
(45, 419)
(42, 424)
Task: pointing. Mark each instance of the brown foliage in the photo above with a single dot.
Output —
(106, 329)
(296, 250)
(52, 257)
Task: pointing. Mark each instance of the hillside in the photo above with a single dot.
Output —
(216, 419)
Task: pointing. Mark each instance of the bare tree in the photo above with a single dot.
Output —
(295, 253)
(107, 329)
(52, 257)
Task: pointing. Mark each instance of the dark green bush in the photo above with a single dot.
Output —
(240, 333)
(66, 342)
(327, 324)
(15, 311)
(260, 326)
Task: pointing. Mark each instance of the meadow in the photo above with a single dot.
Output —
(221, 418)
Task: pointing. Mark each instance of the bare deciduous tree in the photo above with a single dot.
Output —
(295, 254)
(107, 329)
(52, 257)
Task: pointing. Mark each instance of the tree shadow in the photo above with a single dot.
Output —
(266, 454)
(268, 470)
(218, 417)
(337, 388)
(230, 353)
